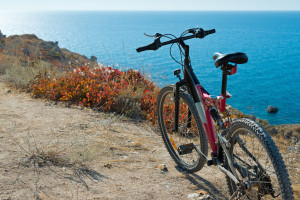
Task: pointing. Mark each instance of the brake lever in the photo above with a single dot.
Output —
(156, 35)
(200, 33)
(192, 30)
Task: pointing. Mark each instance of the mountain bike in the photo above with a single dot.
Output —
(189, 118)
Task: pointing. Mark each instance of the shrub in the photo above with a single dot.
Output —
(107, 89)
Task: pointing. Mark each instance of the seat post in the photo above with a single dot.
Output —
(224, 86)
(224, 82)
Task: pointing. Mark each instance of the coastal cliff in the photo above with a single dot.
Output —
(30, 47)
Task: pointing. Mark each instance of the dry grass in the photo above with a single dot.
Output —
(20, 73)
(6, 62)
(57, 159)
(129, 104)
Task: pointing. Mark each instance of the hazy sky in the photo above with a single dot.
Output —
(150, 4)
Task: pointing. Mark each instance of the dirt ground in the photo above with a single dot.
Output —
(50, 151)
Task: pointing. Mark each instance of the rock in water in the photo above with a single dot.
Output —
(272, 109)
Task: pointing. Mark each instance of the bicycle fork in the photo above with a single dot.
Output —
(176, 98)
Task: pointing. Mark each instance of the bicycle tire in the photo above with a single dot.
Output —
(273, 178)
(193, 133)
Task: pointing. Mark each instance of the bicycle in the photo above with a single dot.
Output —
(189, 118)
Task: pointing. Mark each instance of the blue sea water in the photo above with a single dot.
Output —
(270, 39)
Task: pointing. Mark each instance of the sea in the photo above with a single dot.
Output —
(271, 39)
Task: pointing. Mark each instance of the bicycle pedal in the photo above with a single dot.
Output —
(185, 149)
(210, 162)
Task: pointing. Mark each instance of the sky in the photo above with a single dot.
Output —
(26, 5)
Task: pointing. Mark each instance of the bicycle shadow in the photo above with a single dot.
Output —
(203, 184)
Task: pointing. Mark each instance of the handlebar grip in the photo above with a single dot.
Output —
(145, 48)
(210, 31)
(202, 33)
(153, 46)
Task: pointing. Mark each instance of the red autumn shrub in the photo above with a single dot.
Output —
(104, 88)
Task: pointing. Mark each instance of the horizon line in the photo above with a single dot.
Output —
(8, 10)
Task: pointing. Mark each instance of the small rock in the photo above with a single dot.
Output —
(193, 196)
(8, 91)
(109, 166)
(199, 195)
(163, 168)
(272, 109)
(167, 184)
(93, 58)
(2, 36)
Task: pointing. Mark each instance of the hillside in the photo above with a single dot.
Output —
(30, 47)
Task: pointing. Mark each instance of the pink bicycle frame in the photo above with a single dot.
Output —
(203, 110)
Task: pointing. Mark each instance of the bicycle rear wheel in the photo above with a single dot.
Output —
(180, 144)
(257, 159)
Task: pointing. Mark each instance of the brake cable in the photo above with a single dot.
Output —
(158, 36)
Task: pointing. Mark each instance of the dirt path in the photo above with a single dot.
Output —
(50, 151)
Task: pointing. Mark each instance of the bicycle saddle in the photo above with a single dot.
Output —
(237, 58)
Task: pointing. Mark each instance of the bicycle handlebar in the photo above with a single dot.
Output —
(157, 44)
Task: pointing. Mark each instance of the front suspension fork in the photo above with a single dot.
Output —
(177, 98)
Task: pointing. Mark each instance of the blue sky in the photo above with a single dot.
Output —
(150, 4)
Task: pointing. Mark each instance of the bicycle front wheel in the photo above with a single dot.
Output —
(181, 144)
(258, 161)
